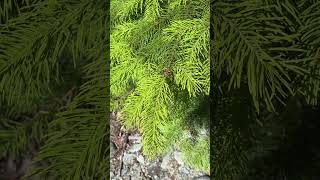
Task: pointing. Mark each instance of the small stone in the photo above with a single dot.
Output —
(124, 171)
(154, 170)
(140, 159)
(136, 138)
(178, 157)
(128, 158)
(165, 162)
(135, 148)
(184, 170)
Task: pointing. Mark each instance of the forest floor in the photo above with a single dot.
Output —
(128, 162)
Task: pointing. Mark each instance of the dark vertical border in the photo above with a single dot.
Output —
(108, 88)
(213, 90)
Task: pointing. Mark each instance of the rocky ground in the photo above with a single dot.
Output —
(128, 162)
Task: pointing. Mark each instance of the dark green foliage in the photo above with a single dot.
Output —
(266, 65)
(53, 85)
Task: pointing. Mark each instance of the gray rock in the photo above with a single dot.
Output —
(178, 157)
(154, 171)
(185, 170)
(128, 158)
(135, 171)
(140, 159)
(135, 137)
(135, 148)
(202, 178)
(165, 162)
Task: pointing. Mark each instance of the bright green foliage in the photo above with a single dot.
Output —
(194, 152)
(160, 68)
(47, 47)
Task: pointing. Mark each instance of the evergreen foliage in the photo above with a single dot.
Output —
(264, 82)
(48, 47)
(160, 74)
(266, 64)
